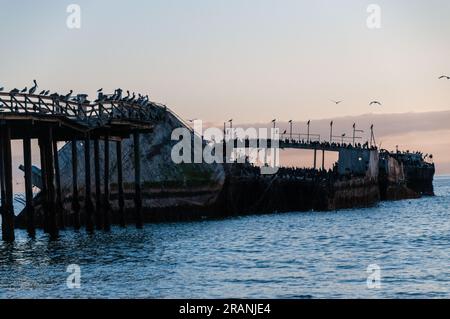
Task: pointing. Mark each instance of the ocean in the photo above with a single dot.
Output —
(291, 255)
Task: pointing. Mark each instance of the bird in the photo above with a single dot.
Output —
(47, 92)
(125, 99)
(444, 77)
(100, 90)
(336, 102)
(68, 95)
(34, 88)
(375, 102)
(285, 131)
(24, 90)
(14, 91)
(42, 92)
(1, 89)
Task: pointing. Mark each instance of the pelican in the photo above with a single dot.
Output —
(444, 77)
(34, 88)
(375, 102)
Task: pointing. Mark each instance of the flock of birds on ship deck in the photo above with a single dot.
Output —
(131, 98)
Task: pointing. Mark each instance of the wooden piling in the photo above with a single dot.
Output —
(323, 159)
(2, 173)
(75, 194)
(98, 194)
(51, 196)
(88, 205)
(8, 207)
(106, 203)
(121, 198)
(137, 181)
(44, 190)
(31, 228)
(59, 200)
(315, 158)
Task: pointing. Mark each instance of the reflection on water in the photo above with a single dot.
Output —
(295, 255)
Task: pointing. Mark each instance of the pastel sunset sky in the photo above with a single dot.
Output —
(250, 60)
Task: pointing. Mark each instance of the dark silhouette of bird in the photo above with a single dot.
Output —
(42, 92)
(34, 88)
(375, 102)
(444, 77)
(125, 99)
(100, 90)
(1, 89)
(24, 90)
(47, 92)
(336, 102)
(67, 96)
(285, 131)
(14, 91)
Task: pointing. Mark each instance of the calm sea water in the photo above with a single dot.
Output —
(295, 255)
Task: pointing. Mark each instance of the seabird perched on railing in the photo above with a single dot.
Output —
(14, 92)
(125, 99)
(42, 92)
(1, 89)
(34, 88)
(68, 95)
(24, 90)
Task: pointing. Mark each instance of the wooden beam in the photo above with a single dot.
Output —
(75, 194)
(137, 181)
(122, 220)
(106, 203)
(98, 193)
(31, 228)
(8, 234)
(44, 189)
(59, 200)
(88, 205)
(323, 159)
(52, 222)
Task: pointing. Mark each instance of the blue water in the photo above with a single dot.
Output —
(295, 255)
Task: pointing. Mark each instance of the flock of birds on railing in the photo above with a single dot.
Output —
(117, 96)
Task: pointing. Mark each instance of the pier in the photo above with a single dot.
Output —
(53, 119)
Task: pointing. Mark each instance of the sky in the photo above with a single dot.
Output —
(250, 60)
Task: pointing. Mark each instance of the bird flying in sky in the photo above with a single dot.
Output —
(375, 103)
(336, 102)
(444, 77)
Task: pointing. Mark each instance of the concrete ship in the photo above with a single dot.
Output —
(362, 177)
